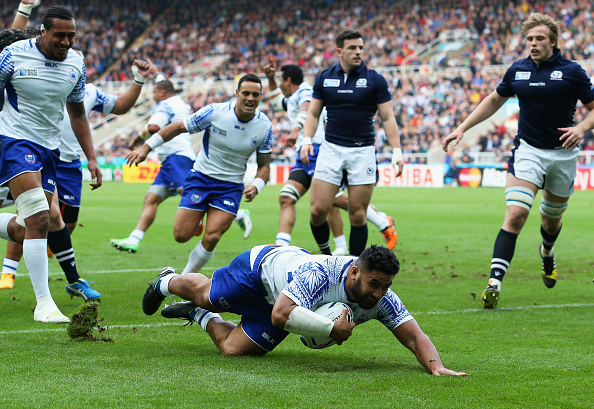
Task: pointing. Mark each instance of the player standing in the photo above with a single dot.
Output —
(214, 187)
(545, 151)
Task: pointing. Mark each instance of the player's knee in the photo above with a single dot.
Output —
(181, 235)
(33, 207)
(553, 210)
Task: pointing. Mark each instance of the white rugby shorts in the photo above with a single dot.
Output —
(549, 169)
(359, 163)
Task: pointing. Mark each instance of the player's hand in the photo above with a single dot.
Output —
(455, 136)
(33, 3)
(446, 371)
(342, 329)
(269, 68)
(306, 150)
(143, 67)
(292, 137)
(137, 155)
(250, 193)
(96, 176)
(572, 136)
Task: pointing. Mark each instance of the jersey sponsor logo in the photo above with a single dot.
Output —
(523, 75)
(361, 83)
(30, 158)
(556, 76)
(69, 197)
(195, 198)
(331, 83)
(28, 72)
(345, 91)
(537, 84)
(51, 64)
(220, 131)
(229, 203)
(240, 128)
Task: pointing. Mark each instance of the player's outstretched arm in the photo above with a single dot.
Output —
(486, 108)
(23, 12)
(164, 135)
(412, 337)
(126, 101)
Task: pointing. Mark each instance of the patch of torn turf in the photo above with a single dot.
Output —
(84, 321)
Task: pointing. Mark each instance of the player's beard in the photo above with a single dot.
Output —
(361, 299)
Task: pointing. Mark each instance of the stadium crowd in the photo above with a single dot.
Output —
(174, 34)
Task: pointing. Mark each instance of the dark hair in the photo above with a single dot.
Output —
(166, 86)
(294, 72)
(249, 78)
(378, 258)
(347, 34)
(54, 12)
(7, 37)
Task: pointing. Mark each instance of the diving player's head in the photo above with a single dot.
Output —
(249, 94)
(371, 275)
(58, 30)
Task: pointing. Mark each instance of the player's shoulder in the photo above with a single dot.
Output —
(260, 116)
(21, 46)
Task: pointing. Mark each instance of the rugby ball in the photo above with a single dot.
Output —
(333, 311)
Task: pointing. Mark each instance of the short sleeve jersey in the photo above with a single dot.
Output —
(228, 142)
(547, 95)
(37, 90)
(165, 112)
(95, 100)
(300, 96)
(351, 102)
(313, 280)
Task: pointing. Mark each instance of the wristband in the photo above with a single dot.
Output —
(155, 141)
(158, 78)
(144, 133)
(138, 77)
(396, 156)
(25, 9)
(259, 184)
(306, 322)
(306, 141)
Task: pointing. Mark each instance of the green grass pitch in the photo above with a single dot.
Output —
(535, 351)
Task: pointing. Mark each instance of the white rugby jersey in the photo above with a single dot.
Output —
(228, 142)
(301, 95)
(167, 111)
(95, 100)
(37, 90)
(313, 280)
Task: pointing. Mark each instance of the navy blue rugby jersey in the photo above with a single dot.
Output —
(547, 95)
(351, 102)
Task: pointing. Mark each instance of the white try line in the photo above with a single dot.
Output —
(179, 323)
(155, 270)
